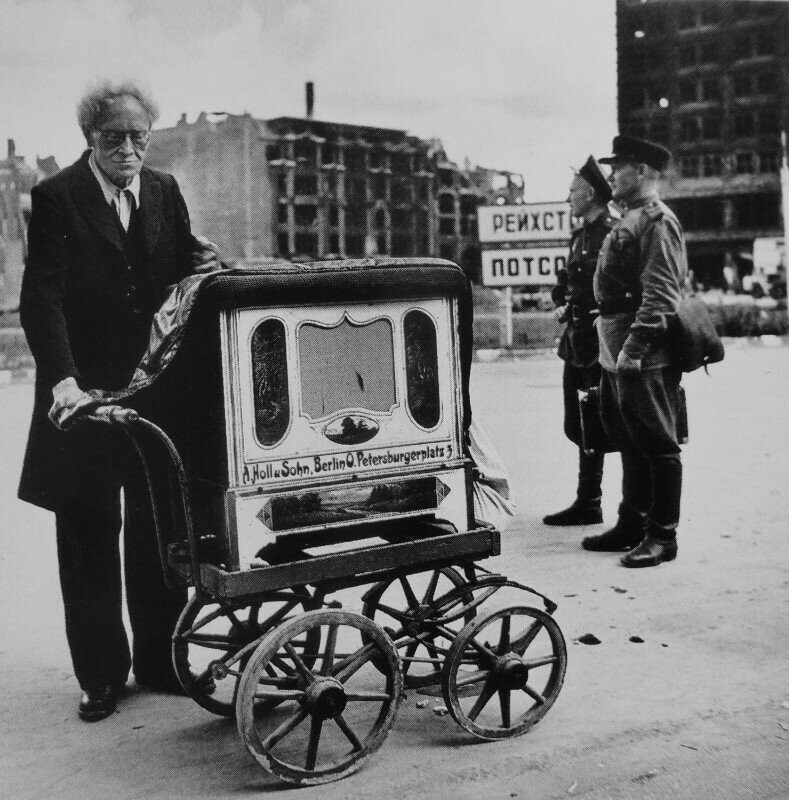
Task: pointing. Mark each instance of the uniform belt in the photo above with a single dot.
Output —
(622, 305)
(581, 312)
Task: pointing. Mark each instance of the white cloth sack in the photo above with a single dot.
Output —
(492, 482)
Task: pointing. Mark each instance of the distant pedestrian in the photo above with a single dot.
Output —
(638, 282)
(575, 303)
(2, 266)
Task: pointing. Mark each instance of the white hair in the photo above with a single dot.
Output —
(96, 98)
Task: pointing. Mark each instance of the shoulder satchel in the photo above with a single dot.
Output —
(693, 340)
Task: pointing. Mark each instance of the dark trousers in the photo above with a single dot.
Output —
(590, 467)
(640, 413)
(88, 544)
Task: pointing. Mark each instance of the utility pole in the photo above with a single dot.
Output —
(785, 209)
(249, 244)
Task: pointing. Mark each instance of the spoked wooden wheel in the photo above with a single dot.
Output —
(321, 721)
(209, 636)
(408, 603)
(504, 672)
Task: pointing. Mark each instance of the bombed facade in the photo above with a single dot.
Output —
(709, 81)
(296, 187)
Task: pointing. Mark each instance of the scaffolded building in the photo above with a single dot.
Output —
(709, 81)
(297, 187)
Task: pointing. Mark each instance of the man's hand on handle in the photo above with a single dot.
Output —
(206, 257)
(68, 400)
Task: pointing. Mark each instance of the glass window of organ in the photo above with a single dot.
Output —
(346, 366)
(270, 382)
(421, 368)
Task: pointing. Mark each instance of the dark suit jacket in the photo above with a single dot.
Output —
(84, 316)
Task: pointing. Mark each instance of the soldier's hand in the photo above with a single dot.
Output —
(205, 258)
(560, 313)
(627, 365)
(68, 400)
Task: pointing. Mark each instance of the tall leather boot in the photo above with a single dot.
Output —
(586, 508)
(660, 542)
(625, 535)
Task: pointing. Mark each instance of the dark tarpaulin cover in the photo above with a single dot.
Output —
(167, 329)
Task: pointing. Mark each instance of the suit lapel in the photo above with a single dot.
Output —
(99, 214)
(150, 209)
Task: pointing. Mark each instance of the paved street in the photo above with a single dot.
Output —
(699, 709)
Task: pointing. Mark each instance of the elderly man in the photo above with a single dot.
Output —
(575, 302)
(638, 282)
(106, 237)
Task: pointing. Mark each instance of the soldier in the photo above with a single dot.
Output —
(640, 273)
(575, 305)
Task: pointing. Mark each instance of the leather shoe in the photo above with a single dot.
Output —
(615, 540)
(99, 703)
(579, 513)
(650, 553)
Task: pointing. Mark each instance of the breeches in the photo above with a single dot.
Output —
(640, 414)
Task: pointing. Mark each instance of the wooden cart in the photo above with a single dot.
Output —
(308, 436)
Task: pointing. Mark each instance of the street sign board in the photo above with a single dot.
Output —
(523, 266)
(523, 244)
(526, 222)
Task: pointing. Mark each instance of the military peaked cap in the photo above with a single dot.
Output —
(629, 148)
(593, 175)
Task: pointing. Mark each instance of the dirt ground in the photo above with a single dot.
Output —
(699, 709)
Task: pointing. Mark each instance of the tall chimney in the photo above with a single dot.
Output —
(11, 148)
(309, 89)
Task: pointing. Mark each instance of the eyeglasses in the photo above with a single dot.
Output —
(111, 139)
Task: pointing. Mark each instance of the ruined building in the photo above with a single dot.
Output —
(709, 81)
(296, 187)
(17, 178)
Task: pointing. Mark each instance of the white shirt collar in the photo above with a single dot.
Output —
(108, 188)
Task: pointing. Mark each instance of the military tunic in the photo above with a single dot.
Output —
(578, 345)
(638, 282)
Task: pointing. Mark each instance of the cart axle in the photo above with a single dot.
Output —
(325, 698)
(510, 672)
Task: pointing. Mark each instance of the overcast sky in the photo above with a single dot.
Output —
(525, 85)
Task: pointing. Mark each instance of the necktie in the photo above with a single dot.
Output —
(124, 203)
